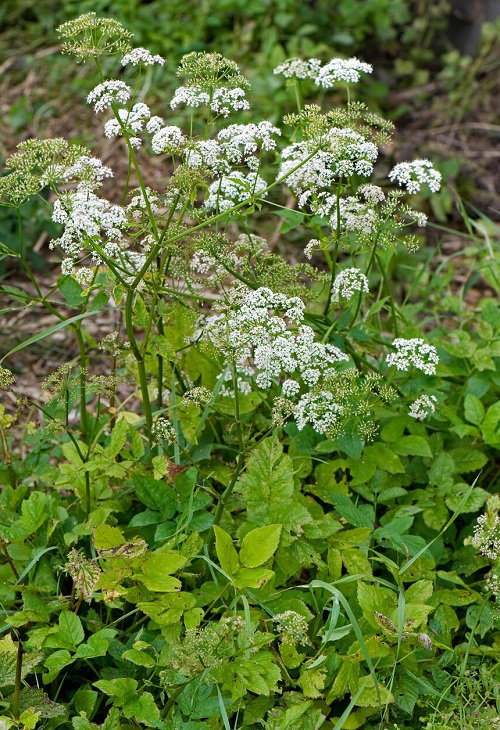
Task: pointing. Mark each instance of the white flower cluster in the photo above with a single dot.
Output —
(130, 120)
(353, 215)
(207, 153)
(337, 69)
(347, 283)
(262, 344)
(311, 247)
(137, 205)
(86, 216)
(240, 142)
(163, 429)
(222, 101)
(318, 409)
(341, 69)
(229, 190)
(296, 68)
(414, 174)
(107, 93)
(90, 172)
(343, 153)
(414, 352)
(167, 139)
(487, 536)
(422, 407)
(141, 57)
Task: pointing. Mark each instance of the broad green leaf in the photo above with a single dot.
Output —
(226, 552)
(255, 577)
(160, 583)
(259, 545)
(373, 598)
(413, 446)
(419, 592)
(70, 628)
(163, 563)
(473, 409)
(490, 425)
(106, 537)
(143, 709)
(467, 459)
(139, 657)
(121, 687)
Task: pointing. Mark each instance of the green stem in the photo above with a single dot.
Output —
(83, 383)
(391, 297)
(146, 403)
(17, 680)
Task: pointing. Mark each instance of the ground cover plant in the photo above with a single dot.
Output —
(267, 496)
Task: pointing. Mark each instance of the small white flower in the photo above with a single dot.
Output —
(414, 352)
(311, 246)
(424, 406)
(154, 124)
(342, 69)
(347, 283)
(295, 68)
(414, 174)
(290, 388)
(107, 93)
(167, 139)
(143, 57)
(67, 267)
(223, 100)
(84, 276)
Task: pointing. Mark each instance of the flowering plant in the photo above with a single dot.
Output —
(221, 346)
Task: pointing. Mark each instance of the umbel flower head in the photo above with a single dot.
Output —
(348, 282)
(414, 174)
(89, 36)
(414, 352)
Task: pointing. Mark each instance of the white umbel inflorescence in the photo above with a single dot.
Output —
(168, 139)
(223, 100)
(86, 216)
(256, 333)
(240, 142)
(344, 152)
(142, 57)
(341, 69)
(347, 283)
(296, 68)
(414, 352)
(412, 175)
(130, 120)
(422, 407)
(107, 93)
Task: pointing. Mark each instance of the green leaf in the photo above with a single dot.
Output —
(255, 577)
(259, 545)
(373, 598)
(163, 563)
(462, 500)
(120, 687)
(489, 426)
(156, 495)
(413, 446)
(473, 409)
(467, 459)
(139, 657)
(107, 537)
(70, 628)
(71, 291)
(226, 552)
(419, 592)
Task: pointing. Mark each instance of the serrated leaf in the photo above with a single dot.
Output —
(139, 657)
(473, 409)
(70, 628)
(226, 552)
(259, 545)
(106, 537)
(255, 577)
(413, 446)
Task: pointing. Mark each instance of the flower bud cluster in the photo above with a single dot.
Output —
(229, 190)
